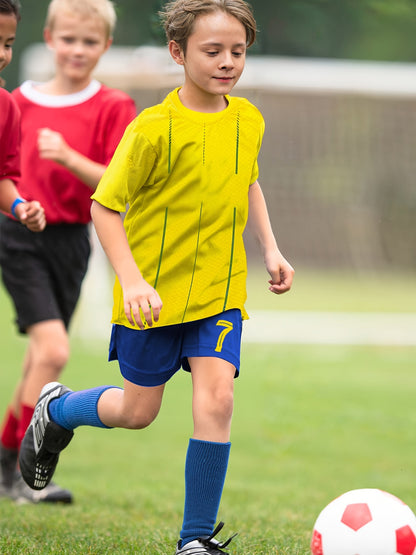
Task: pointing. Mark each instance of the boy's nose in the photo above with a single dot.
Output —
(78, 47)
(227, 61)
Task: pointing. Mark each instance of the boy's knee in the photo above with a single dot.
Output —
(140, 419)
(49, 345)
(52, 355)
(219, 404)
(60, 355)
(226, 404)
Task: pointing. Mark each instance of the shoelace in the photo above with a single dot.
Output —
(210, 542)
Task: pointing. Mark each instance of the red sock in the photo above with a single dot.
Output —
(26, 414)
(10, 426)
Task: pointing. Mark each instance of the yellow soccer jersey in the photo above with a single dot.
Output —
(185, 177)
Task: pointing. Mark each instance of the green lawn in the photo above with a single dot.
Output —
(334, 290)
(310, 422)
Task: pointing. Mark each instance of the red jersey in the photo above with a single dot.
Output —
(91, 121)
(9, 137)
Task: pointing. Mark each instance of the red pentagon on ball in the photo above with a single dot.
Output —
(405, 541)
(356, 515)
(316, 543)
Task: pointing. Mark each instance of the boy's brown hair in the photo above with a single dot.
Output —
(10, 7)
(103, 9)
(179, 17)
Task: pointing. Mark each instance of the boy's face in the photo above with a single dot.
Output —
(215, 55)
(8, 25)
(78, 43)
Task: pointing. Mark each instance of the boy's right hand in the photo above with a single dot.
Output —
(52, 146)
(142, 304)
(32, 215)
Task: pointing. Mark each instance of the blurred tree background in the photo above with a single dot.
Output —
(381, 30)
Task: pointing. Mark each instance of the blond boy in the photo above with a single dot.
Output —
(71, 126)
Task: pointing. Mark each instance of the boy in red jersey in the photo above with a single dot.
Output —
(71, 126)
(30, 214)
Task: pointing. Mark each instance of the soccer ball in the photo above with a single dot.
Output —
(365, 522)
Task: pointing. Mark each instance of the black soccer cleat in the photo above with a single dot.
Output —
(22, 494)
(43, 440)
(205, 545)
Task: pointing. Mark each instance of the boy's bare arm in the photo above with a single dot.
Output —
(52, 146)
(281, 272)
(139, 296)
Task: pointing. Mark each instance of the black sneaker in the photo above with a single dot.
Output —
(8, 463)
(205, 545)
(15, 488)
(22, 494)
(43, 440)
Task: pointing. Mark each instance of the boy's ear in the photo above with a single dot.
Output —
(108, 44)
(47, 37)
(176, 52)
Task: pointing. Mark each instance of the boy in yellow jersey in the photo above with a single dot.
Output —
(187, 170)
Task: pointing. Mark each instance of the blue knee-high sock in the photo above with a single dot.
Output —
(78, 408)
(205, 470)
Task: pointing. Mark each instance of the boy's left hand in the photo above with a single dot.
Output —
(281, 273)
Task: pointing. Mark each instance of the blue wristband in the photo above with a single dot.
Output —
(13, 208)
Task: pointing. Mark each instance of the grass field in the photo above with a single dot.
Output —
(309, 423)
(334, 290)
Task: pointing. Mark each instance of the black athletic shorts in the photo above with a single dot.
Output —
(43, 272)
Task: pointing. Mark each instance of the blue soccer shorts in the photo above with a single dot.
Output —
(150, 357)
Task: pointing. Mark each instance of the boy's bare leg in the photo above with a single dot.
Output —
(213, 394)
(48, 353)
(134, 407)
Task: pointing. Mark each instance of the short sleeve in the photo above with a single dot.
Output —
(9, 137)
(130, 169)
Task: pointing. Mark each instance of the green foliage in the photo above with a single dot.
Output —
(358, 29)
(317, 28)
